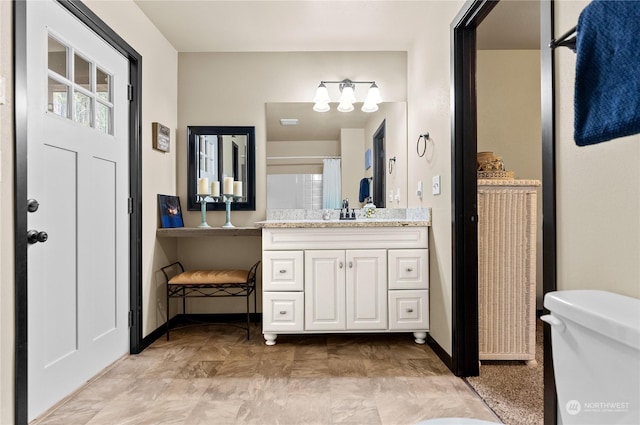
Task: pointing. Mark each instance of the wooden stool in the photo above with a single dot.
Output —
(210, 284)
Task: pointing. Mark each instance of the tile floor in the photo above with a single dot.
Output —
(213, 375)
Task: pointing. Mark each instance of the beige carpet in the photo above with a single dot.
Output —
(513, 390)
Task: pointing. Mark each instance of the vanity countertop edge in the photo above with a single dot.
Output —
(292, 224)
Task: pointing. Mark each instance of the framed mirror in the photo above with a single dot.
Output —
(216, 152)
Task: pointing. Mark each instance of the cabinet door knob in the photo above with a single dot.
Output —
(409, 269)
(340, 264)
(350, 264)
(409, 310)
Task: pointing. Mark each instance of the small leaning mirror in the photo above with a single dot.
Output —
(219, 152)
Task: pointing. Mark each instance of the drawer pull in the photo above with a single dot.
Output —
(283, 312)
(283, 271)
(409, 269)
(409, 310)
(341, 265)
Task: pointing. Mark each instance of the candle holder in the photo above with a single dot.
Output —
(204, 198)
(228, 198)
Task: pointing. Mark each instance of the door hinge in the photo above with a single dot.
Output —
(130, 205)
(130, 318)
(129, 92)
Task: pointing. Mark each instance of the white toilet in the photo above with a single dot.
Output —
(595, 337)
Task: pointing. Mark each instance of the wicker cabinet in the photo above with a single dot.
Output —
(507, 226)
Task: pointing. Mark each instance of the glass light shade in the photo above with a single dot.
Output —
(345, 107)
(373, 95)
(321, 107)
(347, 95)
(322, 94)
(369, 107)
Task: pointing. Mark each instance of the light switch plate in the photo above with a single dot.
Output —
(435, 185)
(391, 196)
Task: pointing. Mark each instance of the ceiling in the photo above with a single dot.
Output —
(323, 25)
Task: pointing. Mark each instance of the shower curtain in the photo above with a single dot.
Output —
(331, 184)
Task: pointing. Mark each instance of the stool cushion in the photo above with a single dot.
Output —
(203, 277)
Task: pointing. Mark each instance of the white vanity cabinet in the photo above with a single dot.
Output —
(345, 289)
(345, 279)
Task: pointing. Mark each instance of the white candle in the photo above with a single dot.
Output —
(237, 188)
(228, 186)
(215, 188)
(203, 186)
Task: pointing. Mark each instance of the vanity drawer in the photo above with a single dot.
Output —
(283, 270)
(409, 309)
(282, 311)
(408, 268)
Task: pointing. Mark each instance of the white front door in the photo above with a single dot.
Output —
(78, 285)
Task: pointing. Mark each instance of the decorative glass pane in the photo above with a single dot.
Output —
(57, 100)
(82, 70)
(57, 57)
(103, 118)
(81, 108)
(103, 85)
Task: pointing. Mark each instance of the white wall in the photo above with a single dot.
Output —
(509, 120)
(429, 110)
(598, 192)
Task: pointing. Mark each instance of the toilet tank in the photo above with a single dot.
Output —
(595, 338)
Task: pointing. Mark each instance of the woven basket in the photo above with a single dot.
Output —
(501, 175)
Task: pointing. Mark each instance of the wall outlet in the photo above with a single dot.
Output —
(391, 196)
(398, 195)
(419, 191)
(435, 185)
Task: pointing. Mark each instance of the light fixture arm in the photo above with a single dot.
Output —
(347, 97)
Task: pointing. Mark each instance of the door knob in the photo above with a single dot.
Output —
(33, 236)
(32, 205)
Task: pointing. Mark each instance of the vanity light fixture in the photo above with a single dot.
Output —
(347, 96)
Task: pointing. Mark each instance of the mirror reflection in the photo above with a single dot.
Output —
(221, 161)
(302, 144)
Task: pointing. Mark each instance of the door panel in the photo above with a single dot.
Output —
(77, 151)
(366, 288)
(324, 303)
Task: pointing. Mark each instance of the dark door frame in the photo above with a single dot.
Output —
(464, 358)
(91, 20)
(379, 165)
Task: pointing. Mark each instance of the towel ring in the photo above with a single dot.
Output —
(425, 137)
(391, 162)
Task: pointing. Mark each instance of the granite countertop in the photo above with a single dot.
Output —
(296, 218)
(364, 222)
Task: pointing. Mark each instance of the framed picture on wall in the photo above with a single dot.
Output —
(367, 159)
(161, 137)
(170, 211)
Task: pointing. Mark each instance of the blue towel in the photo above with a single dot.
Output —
(607, 87)
(364, 189)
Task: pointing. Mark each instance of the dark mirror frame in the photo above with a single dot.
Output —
(249, 204)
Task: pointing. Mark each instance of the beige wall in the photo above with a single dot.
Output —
(6, 221)
(232, 89)
(509, 121)
(159, 104)
(318, 148)
(429, 110)
(352, 163)
(598, 192)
